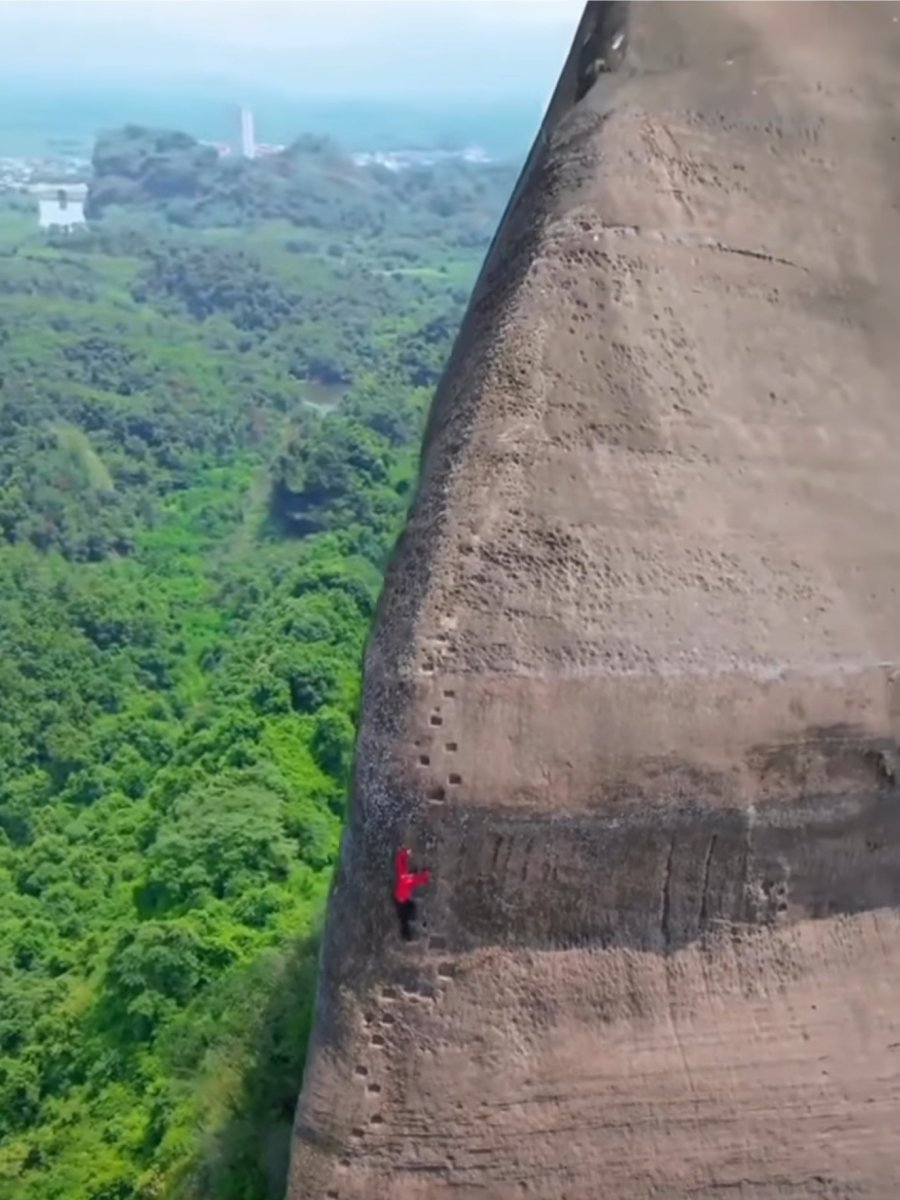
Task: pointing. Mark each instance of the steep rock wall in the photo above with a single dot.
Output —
(633, 692)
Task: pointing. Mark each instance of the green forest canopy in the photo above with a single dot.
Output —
(210, 406)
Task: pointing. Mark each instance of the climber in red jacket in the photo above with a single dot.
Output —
(405, 883)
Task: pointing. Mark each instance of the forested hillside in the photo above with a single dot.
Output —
(210, 406)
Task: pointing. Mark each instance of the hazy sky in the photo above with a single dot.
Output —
(360, 47)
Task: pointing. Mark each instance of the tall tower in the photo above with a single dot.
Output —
(248, 140)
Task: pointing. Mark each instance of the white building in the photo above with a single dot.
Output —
(60, 206)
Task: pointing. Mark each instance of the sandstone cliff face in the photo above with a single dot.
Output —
(633, 692)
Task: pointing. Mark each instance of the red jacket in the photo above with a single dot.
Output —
(406, 881)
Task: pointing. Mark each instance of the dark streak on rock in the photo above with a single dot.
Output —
(704, 899)
(665, 918)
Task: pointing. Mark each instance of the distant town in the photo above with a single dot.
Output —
(46, 171)
(59, 180)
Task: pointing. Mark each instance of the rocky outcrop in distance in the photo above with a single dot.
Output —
(633, 690)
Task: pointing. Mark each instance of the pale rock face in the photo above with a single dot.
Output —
(633, 693)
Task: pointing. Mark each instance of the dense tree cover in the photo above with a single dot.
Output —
(311, 184)
(207, 444)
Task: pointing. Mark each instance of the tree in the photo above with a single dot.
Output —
(332, 742)
(218, 839)
(155, 968)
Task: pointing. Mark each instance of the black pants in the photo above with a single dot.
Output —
(406, 911)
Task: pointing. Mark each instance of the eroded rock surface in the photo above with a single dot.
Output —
(633, 693)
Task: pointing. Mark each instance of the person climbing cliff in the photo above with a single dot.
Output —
(405, 883)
